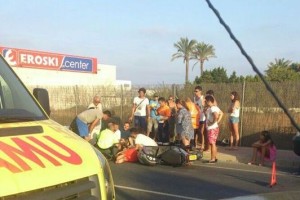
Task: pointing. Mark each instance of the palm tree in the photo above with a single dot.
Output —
(202, 53)
(185, 50)
(280, 70)
(281, 62)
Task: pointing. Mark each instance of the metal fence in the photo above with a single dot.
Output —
(259, 110)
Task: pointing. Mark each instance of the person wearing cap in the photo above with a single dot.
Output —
(153, 117)
(139, 111)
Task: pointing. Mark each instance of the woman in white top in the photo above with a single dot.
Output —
(234, 118)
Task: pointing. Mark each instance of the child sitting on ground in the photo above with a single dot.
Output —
(265, 147)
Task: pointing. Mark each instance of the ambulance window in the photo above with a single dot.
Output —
(16, 104)
(5, 94)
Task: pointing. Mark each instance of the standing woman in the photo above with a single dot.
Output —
(184, 126)
(172, 120)
(195, 115)
(234, 118)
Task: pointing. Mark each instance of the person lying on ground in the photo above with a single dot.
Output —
(127, 155)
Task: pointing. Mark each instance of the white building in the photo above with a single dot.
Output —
(37, 68)
(106, 75)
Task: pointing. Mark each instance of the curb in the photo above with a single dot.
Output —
(285, 158)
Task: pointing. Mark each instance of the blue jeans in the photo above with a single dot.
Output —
(140, 122)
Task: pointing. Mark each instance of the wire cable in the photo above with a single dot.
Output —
(253, 65)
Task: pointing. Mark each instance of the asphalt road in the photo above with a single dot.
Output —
(201, 181)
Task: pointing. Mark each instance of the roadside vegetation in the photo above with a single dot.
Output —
(259, 110)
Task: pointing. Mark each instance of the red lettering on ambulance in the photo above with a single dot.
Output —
(9, 166)
(27, 151)
(72, 157)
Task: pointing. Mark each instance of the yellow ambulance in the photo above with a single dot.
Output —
(40, 159)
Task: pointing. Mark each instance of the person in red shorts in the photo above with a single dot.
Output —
(213, 117)
(127, 155)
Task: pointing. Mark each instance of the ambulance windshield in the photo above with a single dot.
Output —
(16, 104)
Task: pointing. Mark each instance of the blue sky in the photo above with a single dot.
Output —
(138, 35)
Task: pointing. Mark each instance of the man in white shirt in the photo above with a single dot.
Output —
(139, 112)
(141, 140)
(200, 102)
(96, 104)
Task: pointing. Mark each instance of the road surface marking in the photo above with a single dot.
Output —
(154, 192)
(243, 170)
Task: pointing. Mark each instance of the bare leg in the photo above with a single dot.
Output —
(204, 143)
(235, 128)
(185, 141)
(120, 159)
(231, 134)
(263, 154)
(149, 126)
(202, 138)
(254, 154)
(213, 152)
(197, 137)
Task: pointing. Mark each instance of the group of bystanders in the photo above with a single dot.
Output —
(161, 121)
